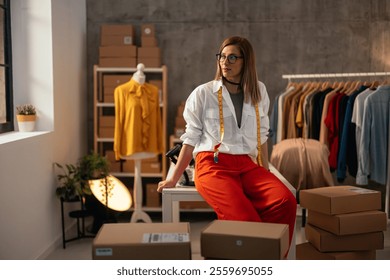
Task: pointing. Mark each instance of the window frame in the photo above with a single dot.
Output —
(8, 126)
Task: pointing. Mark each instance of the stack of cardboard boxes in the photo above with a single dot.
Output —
(106, 119)
(344, 222)
(117, 48)
(149, 53)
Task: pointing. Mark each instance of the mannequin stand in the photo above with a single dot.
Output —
(138, 214)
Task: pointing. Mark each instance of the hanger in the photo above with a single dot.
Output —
(374, 84)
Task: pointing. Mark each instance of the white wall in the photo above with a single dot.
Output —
(49, 55)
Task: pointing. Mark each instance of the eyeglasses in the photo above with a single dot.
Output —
(231, 58)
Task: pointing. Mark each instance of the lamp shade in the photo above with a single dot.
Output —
(111, 192)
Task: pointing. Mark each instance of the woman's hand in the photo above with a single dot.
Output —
(165, 184)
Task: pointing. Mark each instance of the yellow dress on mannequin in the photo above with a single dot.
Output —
(138, 130)
(138, 127)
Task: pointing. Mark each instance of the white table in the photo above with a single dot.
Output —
(172, 196)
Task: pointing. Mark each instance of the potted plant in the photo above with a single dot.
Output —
(69, 187)
(90, 167)
(74, 184)
(93, 166)
(73, 181)
(26, 116)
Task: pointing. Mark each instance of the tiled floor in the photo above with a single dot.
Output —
(82, 249)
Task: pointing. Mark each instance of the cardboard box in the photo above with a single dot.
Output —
(150, 61)
(115, 166)
(340, 199)
(147, 30)
(118, 62)
(305, 251)
(153, 197)
(106, 132)
(112, 81)
(157, 83)
(109, 90)
(128, 166)
(150, 167)
(110, 155)
(142, 241)
(117, 29)
(148, 41)
(350, 223)
(116, 40)
(325, 241)
(149, 52)
(107, 121)
(108, 94)
(240, 240)
(151, 159)
(116, 34)
(118, 51)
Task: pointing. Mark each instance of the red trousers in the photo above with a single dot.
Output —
(238, 189)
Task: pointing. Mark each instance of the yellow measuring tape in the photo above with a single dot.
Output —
(222, 130)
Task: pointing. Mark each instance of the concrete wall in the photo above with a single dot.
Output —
(289, 36)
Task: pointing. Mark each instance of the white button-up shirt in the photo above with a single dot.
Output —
(201, 114)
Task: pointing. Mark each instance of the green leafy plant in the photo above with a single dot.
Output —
(73, 180)
(69, 187)
(93, 166)
(26, 109)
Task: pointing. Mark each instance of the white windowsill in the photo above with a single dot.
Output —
(16, 136)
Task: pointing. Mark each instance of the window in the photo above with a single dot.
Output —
(6, 96)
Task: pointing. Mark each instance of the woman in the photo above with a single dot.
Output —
(229, 145)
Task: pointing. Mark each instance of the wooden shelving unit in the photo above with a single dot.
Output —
(100, 104)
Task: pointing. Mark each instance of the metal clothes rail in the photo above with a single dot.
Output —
(334, 75)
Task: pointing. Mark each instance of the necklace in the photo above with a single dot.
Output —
(233, 83)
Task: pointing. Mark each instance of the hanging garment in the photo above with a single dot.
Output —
(357, 115)
(323, 128)
(332, 123)
(303, 162)
(138, 125)
(372, 158)
(347, 151)
(280, 124)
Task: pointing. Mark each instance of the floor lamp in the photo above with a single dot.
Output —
(112, 193)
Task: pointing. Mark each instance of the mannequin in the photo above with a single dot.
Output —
(139, 76)
(138, 214)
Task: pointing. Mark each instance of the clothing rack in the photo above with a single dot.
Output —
(343, 75)
(334, 75)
